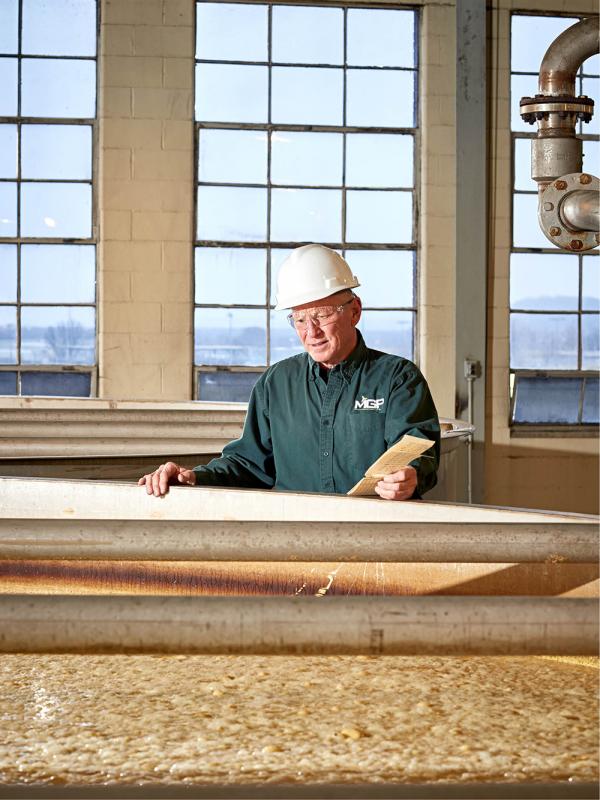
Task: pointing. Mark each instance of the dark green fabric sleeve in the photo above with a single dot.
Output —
(411, 410)
(248, 461)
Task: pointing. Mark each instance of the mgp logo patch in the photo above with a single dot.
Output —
(369, 404)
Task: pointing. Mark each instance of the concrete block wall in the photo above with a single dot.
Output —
(437, 275)
(145, 194)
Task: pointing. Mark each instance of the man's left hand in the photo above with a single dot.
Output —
(398, 485)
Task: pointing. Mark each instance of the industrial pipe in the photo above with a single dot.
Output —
(566, 54)
(299, 626)
(202, 540)
(581, 210)
(556, 152)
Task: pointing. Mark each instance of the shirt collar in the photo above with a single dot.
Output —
(346, 367)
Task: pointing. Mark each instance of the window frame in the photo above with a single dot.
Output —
(525, 429)
(269, 128)
(19, 240)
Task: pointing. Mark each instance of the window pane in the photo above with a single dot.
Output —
(307, 95)
(382, 99)
(531, 37)
(56, 209)
(550, 400)
(231, 32)
(232, 214)
(386, 276)
(521, 86)
(54, 335)
(526, 229)
(230, 336)
(233, 156)
(8, 380)
(8, 335)
(56, 384)
(8, 82)
(543, 341)
(301, 215)
(591, 66)
(231, 276)
(523, 179)
(55, 88)
(226, 386)
(378, 216)
(591, 402)
(545, 281)
(8, 209)
(278, 256)
(590, 340)
(313, 159)
(379, 159)
(8, 151)
(59, 28)
(231, 93)
(591, 155)
(591, 89)
(389, 331)
(284, 339)
(381, 38)
(590, 298)
(53, 273)
(306, 35)
(8, 273)
(56, 151)
(9, 27)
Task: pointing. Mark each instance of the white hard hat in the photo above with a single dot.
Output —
(310, 273)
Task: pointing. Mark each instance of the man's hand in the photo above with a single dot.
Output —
(398, 485)
(157, 482)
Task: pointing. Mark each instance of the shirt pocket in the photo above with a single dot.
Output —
(362, 423)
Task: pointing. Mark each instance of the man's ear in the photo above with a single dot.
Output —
(356, 310)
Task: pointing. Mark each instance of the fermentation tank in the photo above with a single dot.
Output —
(231, 643)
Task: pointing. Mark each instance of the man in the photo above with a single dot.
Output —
(318, 420)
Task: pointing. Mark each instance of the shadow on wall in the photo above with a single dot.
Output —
(542, 478)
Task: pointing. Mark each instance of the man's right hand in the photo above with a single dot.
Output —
(157, 482)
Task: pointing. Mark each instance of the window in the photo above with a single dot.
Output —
(554, 296)
(47, 233)
(306, 127)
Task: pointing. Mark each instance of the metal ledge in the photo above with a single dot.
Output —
(437, 791)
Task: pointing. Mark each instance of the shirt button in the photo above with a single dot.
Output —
(325, 453)
(325, 422)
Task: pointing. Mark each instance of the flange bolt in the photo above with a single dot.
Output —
(576, 244)
(548, 206)
(585, 178)
(560, 185)
(554, 231)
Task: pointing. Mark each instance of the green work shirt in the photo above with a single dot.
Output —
(305, 434)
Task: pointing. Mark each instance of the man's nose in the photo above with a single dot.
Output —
(314, 323)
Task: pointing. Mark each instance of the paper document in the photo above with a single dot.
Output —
(398, 456)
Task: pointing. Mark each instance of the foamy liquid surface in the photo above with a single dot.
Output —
(225, 719)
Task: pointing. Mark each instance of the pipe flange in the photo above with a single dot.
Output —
(540, 106)
(549, 217)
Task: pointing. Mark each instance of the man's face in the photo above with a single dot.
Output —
(331, 342)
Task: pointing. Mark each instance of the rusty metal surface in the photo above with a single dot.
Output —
(302, 578)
